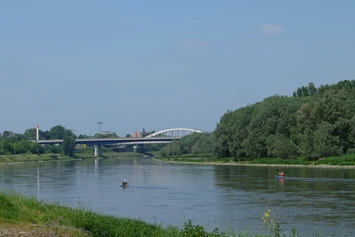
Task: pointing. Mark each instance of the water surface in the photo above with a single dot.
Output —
(313, 200)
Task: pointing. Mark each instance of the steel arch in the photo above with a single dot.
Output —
(175, 132)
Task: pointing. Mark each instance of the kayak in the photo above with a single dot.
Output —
(124, 185)
(280, 176)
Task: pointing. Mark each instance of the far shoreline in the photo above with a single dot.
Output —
(31, 158)
(270, 165)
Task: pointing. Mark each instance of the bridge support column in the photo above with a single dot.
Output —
(98, 150)
(139, 148)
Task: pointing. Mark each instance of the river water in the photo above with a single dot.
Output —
(312, 200)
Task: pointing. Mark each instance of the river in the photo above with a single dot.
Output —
(312, 200)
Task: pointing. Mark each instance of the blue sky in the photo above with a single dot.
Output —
(161, 64)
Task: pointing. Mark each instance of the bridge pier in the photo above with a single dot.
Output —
(139, 148)
(98, 150)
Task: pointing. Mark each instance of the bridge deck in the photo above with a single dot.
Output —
(105, 141)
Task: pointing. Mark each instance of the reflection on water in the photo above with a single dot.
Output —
(313, 200)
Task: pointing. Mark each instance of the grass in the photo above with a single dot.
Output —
(32, 158)
(27, 214)
(26, 211)
(26, 158)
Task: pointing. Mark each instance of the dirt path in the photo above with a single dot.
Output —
(26, 232)
(19, 230)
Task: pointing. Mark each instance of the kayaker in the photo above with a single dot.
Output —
(124, 182)
(282, 173)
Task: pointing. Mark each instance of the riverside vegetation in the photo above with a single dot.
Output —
(314, 126)
(30, 216)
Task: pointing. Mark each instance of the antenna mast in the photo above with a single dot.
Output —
(99, 123)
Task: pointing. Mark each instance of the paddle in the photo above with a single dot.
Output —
(280, 173)
(121, 180)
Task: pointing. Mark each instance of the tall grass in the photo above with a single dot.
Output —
(16, 210)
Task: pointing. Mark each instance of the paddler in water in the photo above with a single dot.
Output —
(124, 182)
(281, 173)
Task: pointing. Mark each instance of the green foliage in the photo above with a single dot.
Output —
(281, 146)
(29, 210)
(7, 209)
(53, 149)
(110, 135)
(30, 134)
(154, 147)
(191, 230)
(83, 136)
(36, 148)
(6, 147)
(195, 143)
(313, 123)
(12, 143)
(69, 146)
(59, 132)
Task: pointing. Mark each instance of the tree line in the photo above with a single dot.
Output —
(12, 143)
(312, 123)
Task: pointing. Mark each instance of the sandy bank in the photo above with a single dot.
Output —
(271, 165)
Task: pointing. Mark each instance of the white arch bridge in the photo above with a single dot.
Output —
(163, 136)
(175, 132)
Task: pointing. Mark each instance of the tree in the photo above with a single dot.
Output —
(7, 133)
(23, 146)
(305, 91)
(69, 146)
(59, 132)
(280, 146)
(324, 143)
(109, 135)
(299, 92)
(30, 134)
(312, 89)
(128, 135)
(36, 148)
(6, 147)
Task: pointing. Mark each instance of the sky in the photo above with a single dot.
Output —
(162, 64)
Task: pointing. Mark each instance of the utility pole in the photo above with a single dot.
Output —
(99, 123)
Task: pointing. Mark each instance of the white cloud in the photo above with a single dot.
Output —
(271, 29)
(194, 44)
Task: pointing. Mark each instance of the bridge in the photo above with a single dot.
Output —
(163, 136)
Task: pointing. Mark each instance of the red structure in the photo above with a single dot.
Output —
(137, 134)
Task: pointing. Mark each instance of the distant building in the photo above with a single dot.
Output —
(137, 134)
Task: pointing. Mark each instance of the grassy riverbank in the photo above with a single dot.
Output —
(44, 219)
(27, 158)
(29, 216)
(33, 158)
(340, 161)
